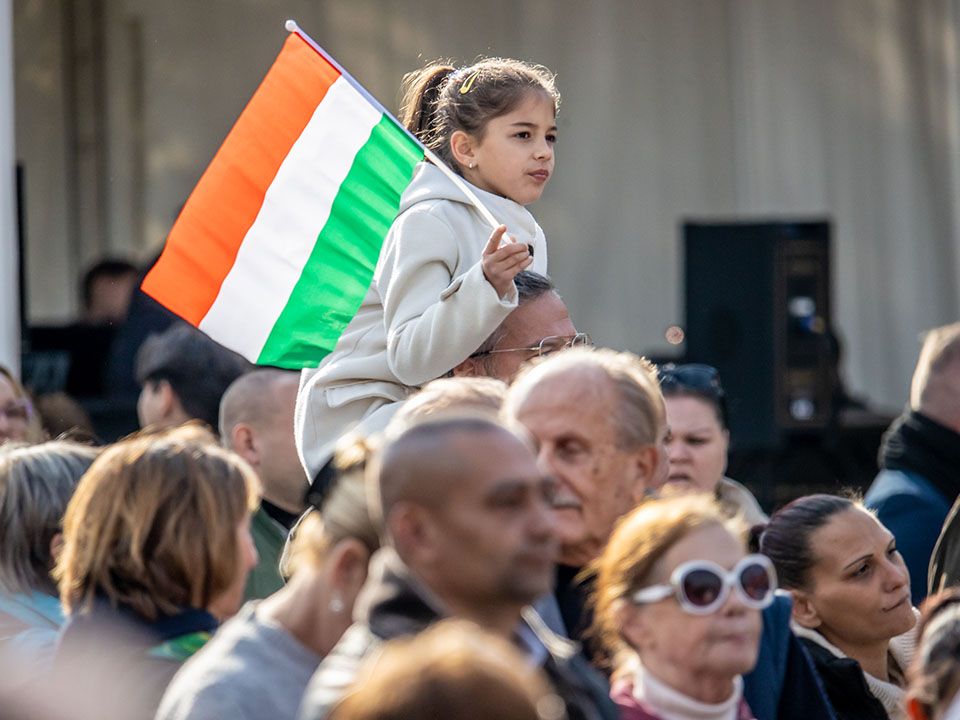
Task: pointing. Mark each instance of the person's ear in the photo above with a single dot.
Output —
(412, 532)
(471, 367)
(804, 611)
(644, 468)
(464, 149)
(347, 568)
(168, 404)
(243, 441)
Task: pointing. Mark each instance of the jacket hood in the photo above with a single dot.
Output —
(430, 184)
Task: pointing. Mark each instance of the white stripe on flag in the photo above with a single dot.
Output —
(296, 206)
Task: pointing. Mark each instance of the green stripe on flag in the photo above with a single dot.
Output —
(338, 273)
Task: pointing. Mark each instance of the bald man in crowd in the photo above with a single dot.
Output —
(256, 422)
(599, 422)
(465, 538)
(919, 478)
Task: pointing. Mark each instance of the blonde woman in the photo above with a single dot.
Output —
(260, 662)
(678, 605)
(156, 552)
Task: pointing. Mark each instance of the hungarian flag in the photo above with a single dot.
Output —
(276, 246)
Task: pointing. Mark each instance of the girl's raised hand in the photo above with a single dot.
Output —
(502, 264)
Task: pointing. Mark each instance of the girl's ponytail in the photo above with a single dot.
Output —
(421, 98)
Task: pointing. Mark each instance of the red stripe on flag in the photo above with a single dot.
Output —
(203, 244)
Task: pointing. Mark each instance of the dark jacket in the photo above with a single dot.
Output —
(845, 685)
(912, 494)
(784, 685)
(394, 604)
(121, 662)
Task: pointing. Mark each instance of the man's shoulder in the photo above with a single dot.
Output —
(896, 487)
(337, 672)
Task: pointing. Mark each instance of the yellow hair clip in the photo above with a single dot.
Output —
(468, 83)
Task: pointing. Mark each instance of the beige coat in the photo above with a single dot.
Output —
(428, 308)
(738, 500)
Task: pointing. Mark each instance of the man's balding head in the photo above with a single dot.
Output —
(599, 421)
(935, 390)
(256, 422)
(636, 397)
(255, 398)
(467, 509)
(425, 461)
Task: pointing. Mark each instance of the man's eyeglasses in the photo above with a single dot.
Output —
(551, 344)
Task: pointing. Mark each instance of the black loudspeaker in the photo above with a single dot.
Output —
(758, 309)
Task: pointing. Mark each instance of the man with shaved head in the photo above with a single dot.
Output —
(256, 422)
(469, 533)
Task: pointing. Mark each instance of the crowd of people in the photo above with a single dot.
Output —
(467, 510)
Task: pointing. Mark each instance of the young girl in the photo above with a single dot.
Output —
(443, 282)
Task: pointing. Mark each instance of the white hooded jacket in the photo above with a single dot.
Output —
(427, 309)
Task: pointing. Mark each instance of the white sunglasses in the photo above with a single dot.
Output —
(702, 587)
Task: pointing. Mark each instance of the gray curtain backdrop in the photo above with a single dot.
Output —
(672, 109)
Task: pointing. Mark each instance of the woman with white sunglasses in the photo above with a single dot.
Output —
(677, 610)
(851, 601)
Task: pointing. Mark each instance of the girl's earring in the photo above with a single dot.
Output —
(472, 165)
(336, 604)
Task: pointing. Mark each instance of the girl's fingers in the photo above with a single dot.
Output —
(493, 244)
(509, 253)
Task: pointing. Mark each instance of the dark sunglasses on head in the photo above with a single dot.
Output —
(692, 376)
(702, 587)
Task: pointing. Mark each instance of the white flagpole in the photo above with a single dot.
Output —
(291, 26)
(9, 273)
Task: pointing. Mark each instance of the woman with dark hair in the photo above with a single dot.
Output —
(698, 439)
(851, 595)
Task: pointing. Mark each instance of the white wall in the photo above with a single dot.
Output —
(672, 108)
